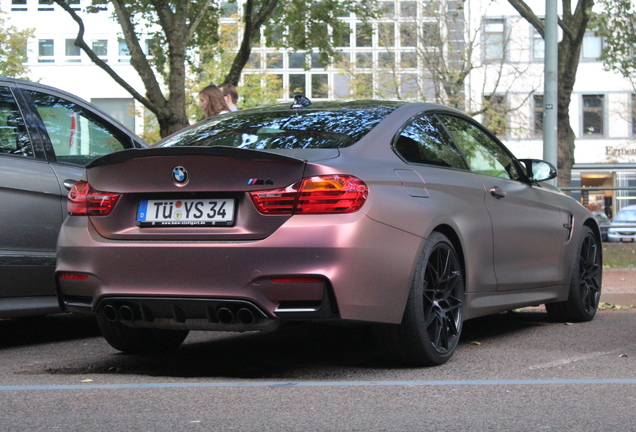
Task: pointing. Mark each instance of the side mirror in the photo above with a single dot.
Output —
(539, 170)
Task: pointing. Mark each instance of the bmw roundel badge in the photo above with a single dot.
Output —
(180, 175)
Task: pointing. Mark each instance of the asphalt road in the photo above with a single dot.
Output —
(511, 372)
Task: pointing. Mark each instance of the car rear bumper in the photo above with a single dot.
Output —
(313, 267)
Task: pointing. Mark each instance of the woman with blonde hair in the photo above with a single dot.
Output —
(212, 101)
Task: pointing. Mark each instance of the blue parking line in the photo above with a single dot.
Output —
(325, 384)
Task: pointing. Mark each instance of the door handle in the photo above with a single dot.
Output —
(68, 184)
(497, 192)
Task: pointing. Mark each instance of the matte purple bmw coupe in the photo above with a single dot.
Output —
(410, 216)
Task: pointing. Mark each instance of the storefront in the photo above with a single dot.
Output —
(617, 177)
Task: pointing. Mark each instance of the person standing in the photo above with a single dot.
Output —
(230, 94)
(212, 101)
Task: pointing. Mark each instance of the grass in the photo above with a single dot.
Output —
(619, 255)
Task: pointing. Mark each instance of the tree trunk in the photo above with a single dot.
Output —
(574, 24)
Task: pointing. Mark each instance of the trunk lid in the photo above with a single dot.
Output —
(144, 177)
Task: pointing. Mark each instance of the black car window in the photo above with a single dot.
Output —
(425, 141)
(77, 134)
(483, 154)
(14, 138)
(282, 129)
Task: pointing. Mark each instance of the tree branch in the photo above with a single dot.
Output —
(79, 41)
(138, 58)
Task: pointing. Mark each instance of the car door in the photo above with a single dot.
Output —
(30, 211)
(74, 134)
(439, 172)
(528, 225)
(46, 138)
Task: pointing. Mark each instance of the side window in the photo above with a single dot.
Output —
(425, 141)
(483, 154)
(77, 134)
(14, 138)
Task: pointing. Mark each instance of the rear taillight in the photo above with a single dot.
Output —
(72, 276)
(83, 200)
(314, 195)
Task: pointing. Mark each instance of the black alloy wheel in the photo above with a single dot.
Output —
(585, 282)
(433, 318)
(590, 269)
(442, 298)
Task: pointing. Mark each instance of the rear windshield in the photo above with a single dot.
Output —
(282, 129)
(626, 216)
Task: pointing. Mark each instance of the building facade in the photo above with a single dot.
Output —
(403, 54)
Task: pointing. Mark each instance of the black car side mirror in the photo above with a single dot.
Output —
(538, 170)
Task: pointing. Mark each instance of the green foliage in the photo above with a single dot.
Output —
(619, 255)
(617, 25)
(308, 24)
(255, 89)
(260, 89)
(13, 49)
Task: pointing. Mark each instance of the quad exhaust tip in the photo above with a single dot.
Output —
(128, 314)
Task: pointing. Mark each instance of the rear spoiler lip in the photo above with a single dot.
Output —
(233, 152)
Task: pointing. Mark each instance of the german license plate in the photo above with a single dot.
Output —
(627, 239)
(186, 212)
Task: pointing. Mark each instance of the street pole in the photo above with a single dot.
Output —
(551, 89)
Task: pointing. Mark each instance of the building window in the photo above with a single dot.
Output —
(274, 82)
(43, 6)
(319, 86)
(316, 63)
(274, 34)
(409, 59)
(387, 8)
(123, 52)
(254, 61)
(74, 4)
(386, 34)
(537, 130)
(538, 46)
(408, 86)
(495, 113)
(100, 48)
(72, 52)
(16, 5)
(343, 40)
(297, 85)
(151, 46)
(592, 46)
(386, 60)
(341, 86)
(364, 33)
(274, 60)
(408, 34)
(593, 115)
(229, 9)
(494, 48)
(46, 51)
(297, 60)
(364, 60)
(408, 9)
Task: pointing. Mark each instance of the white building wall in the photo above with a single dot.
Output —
(522, 74)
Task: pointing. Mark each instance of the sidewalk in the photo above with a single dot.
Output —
(619, 286)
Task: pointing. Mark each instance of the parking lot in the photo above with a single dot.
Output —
(513, 371)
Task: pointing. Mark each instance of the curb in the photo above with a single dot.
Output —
(619, 298)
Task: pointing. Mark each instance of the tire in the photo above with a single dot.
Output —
(140, 340)
(433, 318)
(585, 282)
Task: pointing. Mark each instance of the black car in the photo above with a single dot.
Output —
(46, 138)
